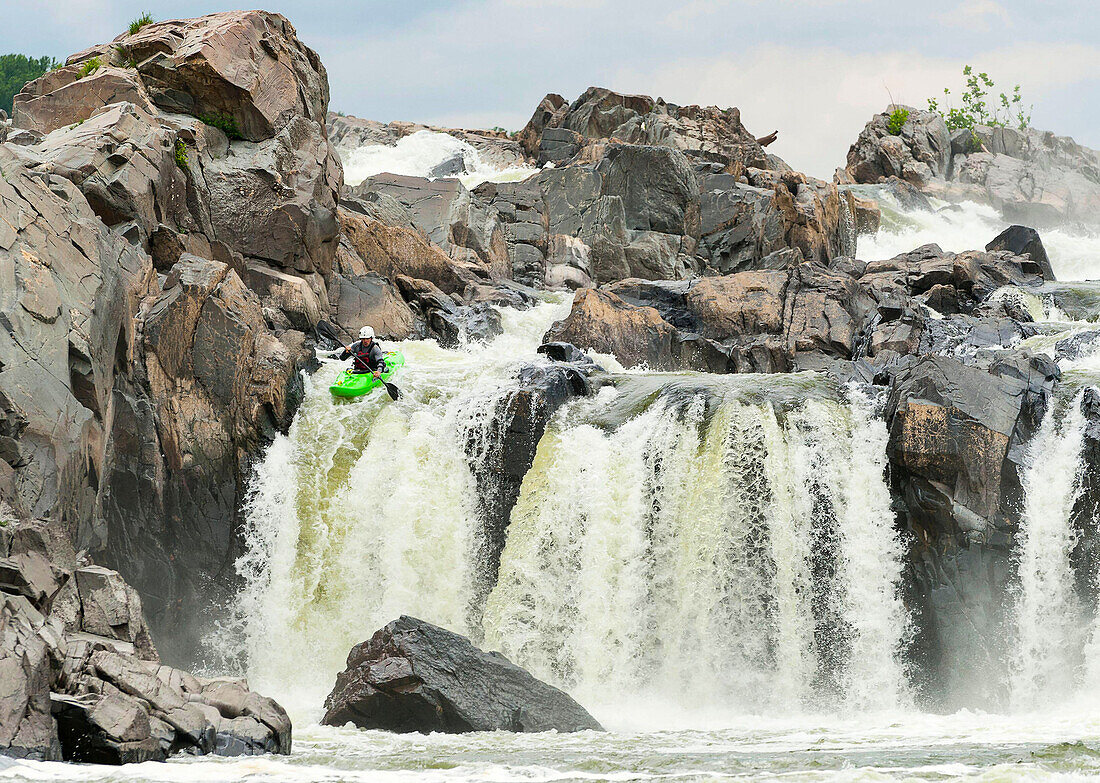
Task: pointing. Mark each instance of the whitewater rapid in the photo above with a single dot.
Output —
(418, 155)
(711, 564)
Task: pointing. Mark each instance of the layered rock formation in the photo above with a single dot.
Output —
(80, 678)
(167, 244)
(415, 676)
(1029, 176)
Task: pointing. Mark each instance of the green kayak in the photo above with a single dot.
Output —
(351, 384)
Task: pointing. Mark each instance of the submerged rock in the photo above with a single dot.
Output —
(415, 676)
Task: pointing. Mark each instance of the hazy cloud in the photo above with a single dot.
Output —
(815, 69)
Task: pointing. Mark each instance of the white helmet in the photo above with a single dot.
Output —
(366, 332)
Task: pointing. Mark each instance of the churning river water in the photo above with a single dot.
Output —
(658, 567)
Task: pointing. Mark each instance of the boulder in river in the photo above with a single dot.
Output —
(415, 676)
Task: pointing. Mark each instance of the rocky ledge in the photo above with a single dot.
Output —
(1029, 176)
(415, 676)
(80, 678)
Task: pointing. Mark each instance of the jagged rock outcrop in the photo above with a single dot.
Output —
(800, 316)
(204, 136)
(708, 133)
(168, 251)
(1030, 176)
(415, 676)
(444, 211)
(920, 152)
(80, 679)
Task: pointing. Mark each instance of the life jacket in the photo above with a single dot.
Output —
(362, 357)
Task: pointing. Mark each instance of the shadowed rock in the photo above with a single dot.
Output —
(415, 676)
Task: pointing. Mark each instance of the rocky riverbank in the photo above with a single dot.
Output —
(174, 223)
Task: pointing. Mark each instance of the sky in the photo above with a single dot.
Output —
(815, 70)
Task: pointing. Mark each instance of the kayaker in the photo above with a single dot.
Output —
(367, 354)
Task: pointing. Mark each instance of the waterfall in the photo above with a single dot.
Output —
(684, 538)
(1048, 617)
(711, 551)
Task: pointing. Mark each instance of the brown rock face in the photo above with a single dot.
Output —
(392, 250)
(62, 98)
(601, 321)
(245, 65)
(207, 134)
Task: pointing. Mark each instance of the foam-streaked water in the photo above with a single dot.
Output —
(709, 563)
(417, 154)
(1062, 746)
(1074, 255)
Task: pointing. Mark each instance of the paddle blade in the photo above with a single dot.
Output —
(325, 331)
(392, 390)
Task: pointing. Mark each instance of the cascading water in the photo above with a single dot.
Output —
(697, 543)
(1074, 255)
(1048, 617)
(707, 549)
(420, 153)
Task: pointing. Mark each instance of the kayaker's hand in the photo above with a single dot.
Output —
(377, 374)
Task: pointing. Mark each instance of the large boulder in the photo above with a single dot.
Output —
(600, 321)
(246, 67)
(656, 186)
(450, 219)
(204, 136)
(959, 426)
(601, 114)
(415, 676)
(919, 153)
(391, 251)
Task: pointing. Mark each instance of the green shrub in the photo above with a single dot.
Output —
(498, 129)
(181, 154)
(898, 118)
(140, 22)
(1005, 110)
(88, 67)
(125, 57)
(18, 69)
(223, 122)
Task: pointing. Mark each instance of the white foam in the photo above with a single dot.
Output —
(417, 155)
(970, 226)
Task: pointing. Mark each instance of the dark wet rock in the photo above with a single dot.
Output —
(1021, 240)
(958, 435)
(1078, 345)
(502, 450)
(414, 676)
(1085, 556)
(446, 320)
